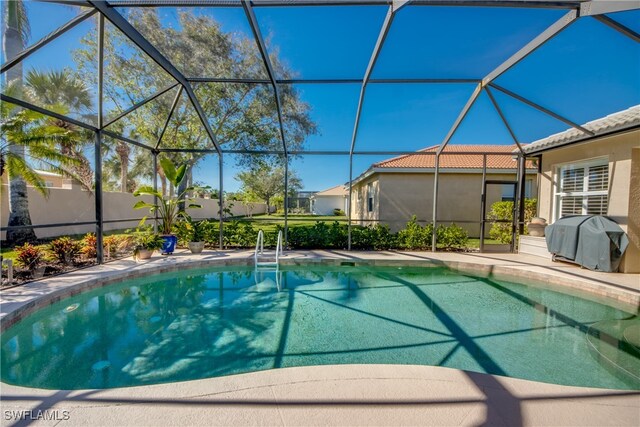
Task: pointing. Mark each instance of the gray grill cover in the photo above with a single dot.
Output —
(594, 242)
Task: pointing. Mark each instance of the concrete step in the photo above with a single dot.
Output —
(533, 246)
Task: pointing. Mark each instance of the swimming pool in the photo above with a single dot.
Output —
(214, 322)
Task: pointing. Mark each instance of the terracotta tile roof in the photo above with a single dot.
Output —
(621, 120)
(455, 161)
(338, 190)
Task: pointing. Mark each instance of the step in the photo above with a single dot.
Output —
(532, 245)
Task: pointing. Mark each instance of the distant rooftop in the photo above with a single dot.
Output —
(454, 161)
(338, 190)
(622, 120)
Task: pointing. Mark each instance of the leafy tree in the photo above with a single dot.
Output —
(266, 183)
(242, 116)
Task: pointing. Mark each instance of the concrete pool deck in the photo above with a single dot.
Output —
(330, 395)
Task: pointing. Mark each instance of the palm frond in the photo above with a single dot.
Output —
(17, 166)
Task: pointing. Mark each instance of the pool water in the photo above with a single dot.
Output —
(207, 323)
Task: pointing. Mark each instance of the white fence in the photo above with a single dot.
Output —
(75, 205)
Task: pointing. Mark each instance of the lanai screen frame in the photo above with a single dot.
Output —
(575, 9)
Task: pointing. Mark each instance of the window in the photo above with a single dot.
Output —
(508, 192)
(369, 197)
(582, 188)
(528, 188)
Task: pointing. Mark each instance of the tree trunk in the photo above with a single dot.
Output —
(163, 180)
(123, 150)
(82, 171)
(183, 186)
(18, 197)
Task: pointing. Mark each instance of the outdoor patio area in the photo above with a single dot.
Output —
(320, 212)
(338, 395)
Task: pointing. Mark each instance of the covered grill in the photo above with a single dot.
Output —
(594, 242)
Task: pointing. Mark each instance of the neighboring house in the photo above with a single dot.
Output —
(600, 174)
(324, 202)
(51, 179)
(393, 190)
(301, 202)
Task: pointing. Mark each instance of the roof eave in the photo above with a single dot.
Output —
(581, 139)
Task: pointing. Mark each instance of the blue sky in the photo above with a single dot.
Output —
(586, 72)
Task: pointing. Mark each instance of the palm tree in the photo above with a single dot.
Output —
(27, 131)
(16, 34)
(64, 90)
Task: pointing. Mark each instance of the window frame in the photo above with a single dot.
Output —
(370, 196)
(586, 165)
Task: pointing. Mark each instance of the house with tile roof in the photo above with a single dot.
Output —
(324, 202)
(594, 172)
(393, 190)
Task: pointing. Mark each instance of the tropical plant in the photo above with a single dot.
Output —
(189, 230)
(64, 250)
(167, 207)
(117, 243)
(29, 256)
(146, 240)
(89, 245)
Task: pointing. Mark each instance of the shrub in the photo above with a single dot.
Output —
(118, 243)
(237, 234)
(338, 212)
(383, 238)
(64, 250)
(29, 256)
(361, 238)
(246, 235)
(338, 236)
(89, 245)
(501, 231)
(414, 236)
(452, 236)
(189, 230)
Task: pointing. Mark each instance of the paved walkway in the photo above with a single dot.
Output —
(331, 395)
(347, 395)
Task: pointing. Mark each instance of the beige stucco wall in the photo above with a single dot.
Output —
(324, 205)
(78, 205)
(359, 212)
(401, 195)
(623, 190)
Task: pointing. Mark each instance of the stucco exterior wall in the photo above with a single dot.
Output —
(360, 214)
(623, 190)
(324, 205)
(401, 195)
(78, 205)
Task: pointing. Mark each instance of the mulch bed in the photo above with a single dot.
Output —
(22, 276)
